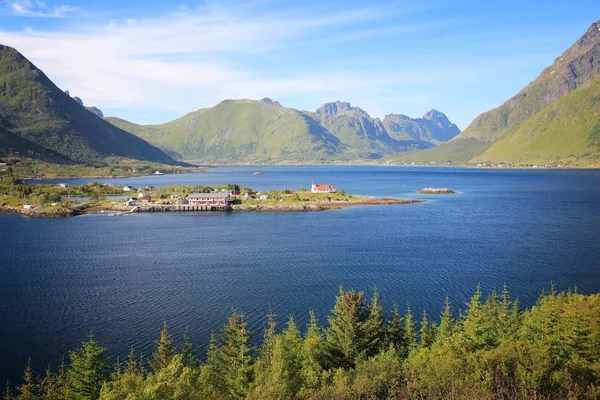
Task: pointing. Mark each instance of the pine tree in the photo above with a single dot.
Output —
(409, 331)
(29, 389)
(312, 354)
(187, 356)
(373, 327)
(87, 371)
(7, 393)
(292, 345)
(447, 324)
(211, 380)
(394, 332)
(425, 338)
(345, 336)
(164, 350)
(131, 366)
(235, 356)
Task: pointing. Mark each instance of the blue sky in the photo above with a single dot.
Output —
(153, 61)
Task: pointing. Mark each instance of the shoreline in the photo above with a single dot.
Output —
(591, 168)
(283, 208)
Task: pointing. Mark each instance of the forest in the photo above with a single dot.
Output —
(491, 350)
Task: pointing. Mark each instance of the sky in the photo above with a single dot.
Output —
(154, 61)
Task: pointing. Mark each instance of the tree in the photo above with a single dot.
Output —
(312, 354)
(164, 350)
(29, 390)
(394, 332)
(447, 323)
(409, 330)
(187, 356)
(373, 327)
(344, 340)
(87, 371)
(427, 331)
(235, 356)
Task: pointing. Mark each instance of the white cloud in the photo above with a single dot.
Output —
(180, 62)
(39, 9)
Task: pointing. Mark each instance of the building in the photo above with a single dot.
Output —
(263, 197)
(249, 195)
(63, 185)
(127, 188)
(27, 206)
(322, 188)
(209, 199)
(130, 202)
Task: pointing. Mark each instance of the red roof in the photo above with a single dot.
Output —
(324, 187)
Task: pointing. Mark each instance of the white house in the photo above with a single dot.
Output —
(63, 185)
(127, 188)
(27, 206)
(322, 188)
(130, 202)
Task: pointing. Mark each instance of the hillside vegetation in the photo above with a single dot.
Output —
(492, 350)
(577, 66)
(265, 131)
(32, 107)
(567, 131)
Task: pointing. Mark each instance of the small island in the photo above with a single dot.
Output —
(436, 191)
(64, 200)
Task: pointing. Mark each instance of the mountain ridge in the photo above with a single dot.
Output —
(576, 66)
(255, 130)
(34, 108)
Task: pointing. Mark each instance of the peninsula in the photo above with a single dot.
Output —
(64, 200)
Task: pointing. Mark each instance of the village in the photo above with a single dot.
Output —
(65, 200)
(213, 199)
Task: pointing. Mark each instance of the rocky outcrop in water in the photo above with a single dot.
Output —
(436, 191)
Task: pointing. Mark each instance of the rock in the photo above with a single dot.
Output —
(269, 101)
(436, 191)
(78, 100)
(95, 110)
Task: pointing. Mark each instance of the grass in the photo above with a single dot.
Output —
(566, 131)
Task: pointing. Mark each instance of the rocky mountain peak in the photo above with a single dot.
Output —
(94, 110)
(269, 101)
(336, 107)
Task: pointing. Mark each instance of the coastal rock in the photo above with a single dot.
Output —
(436, 191)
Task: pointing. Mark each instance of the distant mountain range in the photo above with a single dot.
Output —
(556, 118)
(265, 131)
(39, 120)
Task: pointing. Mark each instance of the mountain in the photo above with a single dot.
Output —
(355, 128)
(568, 131)
(241, 130)
(575, 68)
(265, 131)
(434, 127)
(36, 110)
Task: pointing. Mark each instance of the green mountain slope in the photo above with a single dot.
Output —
(241, 130)
(567, 130)
(573, 69)
(32, 107)
(265, 131)
(13, 144)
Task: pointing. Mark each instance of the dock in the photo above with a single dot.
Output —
(180, 207)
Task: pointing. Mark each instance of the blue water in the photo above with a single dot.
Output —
(122, 277)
